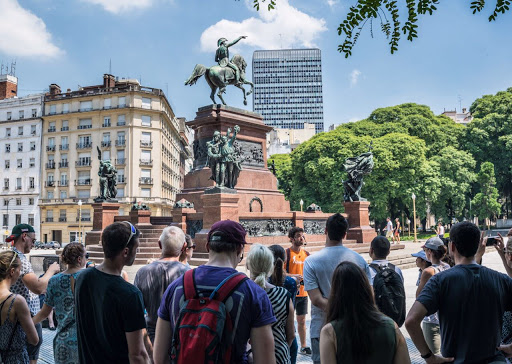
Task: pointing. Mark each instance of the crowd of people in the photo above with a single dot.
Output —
(216, 314)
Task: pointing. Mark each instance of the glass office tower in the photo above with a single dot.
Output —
(288, 87)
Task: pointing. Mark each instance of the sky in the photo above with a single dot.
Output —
(457, 58)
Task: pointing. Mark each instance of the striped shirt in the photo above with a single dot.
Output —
(279, 298)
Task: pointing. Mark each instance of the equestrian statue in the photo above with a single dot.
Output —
(227, 72)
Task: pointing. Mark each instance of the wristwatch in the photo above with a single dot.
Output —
(427, 355)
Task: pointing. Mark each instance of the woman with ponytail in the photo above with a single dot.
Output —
(260, 263)
(16, 326)
(60, 297)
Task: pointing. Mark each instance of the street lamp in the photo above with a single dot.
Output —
(409, 227)
(414, 216)
(80, 220)
(301, 204)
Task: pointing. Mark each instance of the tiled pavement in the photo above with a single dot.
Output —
(491, 260)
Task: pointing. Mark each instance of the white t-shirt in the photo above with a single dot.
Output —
(389, 227)
(441, 230)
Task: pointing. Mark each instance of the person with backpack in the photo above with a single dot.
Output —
(318, 270)
(295, 257)
(356, 332)
(388, 281)
(434, 251)
(210, 313)
(260, 263)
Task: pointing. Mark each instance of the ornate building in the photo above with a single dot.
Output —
(134, 127)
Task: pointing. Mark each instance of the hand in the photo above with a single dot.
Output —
(237, 128)
(434, 359)
(506, 349)
(481, 247)
(54, 268)
(500, 245)
(243, 36)
(229, 130)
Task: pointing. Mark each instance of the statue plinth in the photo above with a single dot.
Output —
(103, 216)
(140, 217)
(359, 221)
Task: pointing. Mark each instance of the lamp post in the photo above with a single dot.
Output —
(80, 220)
(301, 204)
(409, 227)
(414, 216)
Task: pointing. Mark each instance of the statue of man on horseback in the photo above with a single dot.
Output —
(227, 72)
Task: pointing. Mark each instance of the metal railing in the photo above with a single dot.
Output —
(146, 180)
(64, 164)
(83, 182)
(49, 183)
(121, 161)
(64, 147)
(145, 162)
(83, 163)
(50, 165)
(50, 148)
(146, 143)
(120, 142)
(106, 144)
(83, 145)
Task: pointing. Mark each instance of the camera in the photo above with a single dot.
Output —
(491, 240)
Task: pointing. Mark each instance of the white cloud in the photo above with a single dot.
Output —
(121, 6)
(332, 3)
(23, 34)
(283, 27)
(354, 77)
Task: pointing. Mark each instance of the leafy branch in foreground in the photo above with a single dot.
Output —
(365, 10)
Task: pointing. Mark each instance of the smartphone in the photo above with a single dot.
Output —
(491, 240)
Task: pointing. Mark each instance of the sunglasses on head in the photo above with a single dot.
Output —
(133, 232)
(13, 258)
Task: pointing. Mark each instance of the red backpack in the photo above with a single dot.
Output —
(204, 331)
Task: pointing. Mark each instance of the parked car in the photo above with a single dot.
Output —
(38, 245)
(52, 245)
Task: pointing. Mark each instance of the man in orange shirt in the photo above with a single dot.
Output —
(295, 257)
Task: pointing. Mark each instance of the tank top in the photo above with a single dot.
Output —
(383, 343)
(17, 352)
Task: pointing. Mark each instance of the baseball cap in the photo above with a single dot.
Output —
(18, 230)
(421, 254)
(433, 243)
(228, 231)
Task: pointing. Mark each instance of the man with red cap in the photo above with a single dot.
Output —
(248, 305)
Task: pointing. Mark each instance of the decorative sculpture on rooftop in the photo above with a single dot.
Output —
(357, 168)
(223, 160)
(225, 73)
(108, 180)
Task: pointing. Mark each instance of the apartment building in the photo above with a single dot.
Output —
(20, 150)
(132, 126)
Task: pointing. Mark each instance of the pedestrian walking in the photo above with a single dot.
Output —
(397, 231)
(389, 229)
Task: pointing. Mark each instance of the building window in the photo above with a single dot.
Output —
(34, 113)
(63, 194)
(6, 183)
(65, 108)
(18, 183)
(146, 120)
(85, 124)
(85, 105)
(121, 120)
(6, 202)
(145, 192)
(7, 164)
(65, 125)
(32, 146)
(62, 216)
(106, 122)
(32, 182)
(122, 101)
(120, 192)
(33, 129)
(32, 162)
(6, 221)
(20, 147)
(7, 132)
(107, 103)
(53, 109)
(50, 195)
(19, 162)
(49, 216)
(31, 219)
(51, 127)
(18, 202)
(20, 130)
(146, 103)
(9, 115)
(22, 114)
(31, 201)
(84, 194)
(18, 219)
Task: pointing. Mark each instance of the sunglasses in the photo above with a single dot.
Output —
(133, 232)
(191, 247)
(13, 258)
(87, 255)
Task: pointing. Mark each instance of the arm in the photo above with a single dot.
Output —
(317, 299)
(147, 343)
(38, 285)
(23, 314)
(425, 276)
(481, 248)
(290, 324)
(328, 345)
(413, 326)
(262, 343)
(235, 41)
(42, 314)
(136, 351)
(500, 248)
(163, 337)
(401, 352)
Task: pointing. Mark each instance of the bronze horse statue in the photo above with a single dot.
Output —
(219, 77)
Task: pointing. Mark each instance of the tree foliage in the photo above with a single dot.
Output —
(486, 203)
(392, 24)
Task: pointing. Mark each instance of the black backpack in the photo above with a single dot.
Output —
(389, 292)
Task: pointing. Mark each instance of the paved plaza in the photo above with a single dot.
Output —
(491, 260)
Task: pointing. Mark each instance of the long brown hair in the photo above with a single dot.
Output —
(279, 274)
(352, 301)
(8, 259)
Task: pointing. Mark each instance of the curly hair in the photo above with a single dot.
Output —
(72, 252)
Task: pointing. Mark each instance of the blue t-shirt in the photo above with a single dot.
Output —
(471, 300)
(249, 306)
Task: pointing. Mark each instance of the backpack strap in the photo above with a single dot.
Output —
(377, 267)
(288, 257)
(228, 285)
(189, 285)
(307, 253)
(392, 266)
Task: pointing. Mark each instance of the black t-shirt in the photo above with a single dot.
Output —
(152, 280)
(471, 300)
(107, 307)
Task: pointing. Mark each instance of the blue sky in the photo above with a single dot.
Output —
(70, 42)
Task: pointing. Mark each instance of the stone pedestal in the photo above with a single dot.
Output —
(140, 217)
(359, 221)
(216, 207)
(103, 216)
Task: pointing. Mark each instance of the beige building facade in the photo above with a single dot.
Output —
(283, 141)
(132, 126)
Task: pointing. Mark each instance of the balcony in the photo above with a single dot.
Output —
(146, 180)
(84, 200)
(64, 147)
(50, 148)
(63, 183)
(49, 183)
(84, 218)
(50, 165)
(106, 144)
(64, 128)
(49, 219)
(120, 161)
(63, 219)
(52, 129)
(83, 182)
(146, 144)
(81, 127)
(145, 162)
(84, 145)
(64, 164)
(121, 179)
(84, 109)
(83, 163)
(121, 123)
(6, 188)
(32, 147)
(18, 188)
(106, 125)
(120, 142)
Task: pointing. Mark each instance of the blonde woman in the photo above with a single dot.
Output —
(260, 263)
(16, 326)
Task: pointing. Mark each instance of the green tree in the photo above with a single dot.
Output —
(387, 14)
(284, 174)
(486, 203)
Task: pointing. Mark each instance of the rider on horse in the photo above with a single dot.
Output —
(222, 56)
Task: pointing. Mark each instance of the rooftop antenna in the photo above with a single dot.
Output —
(460, 102)
(110, 66)
(2, 68)
(13, 68)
